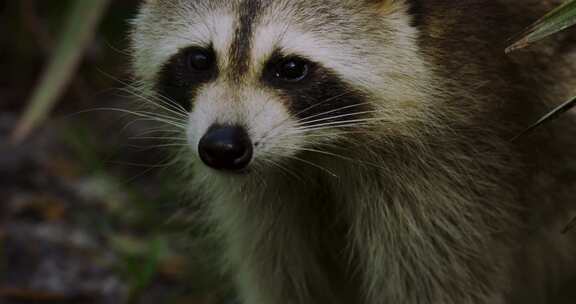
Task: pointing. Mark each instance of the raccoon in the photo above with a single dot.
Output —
(359, 151)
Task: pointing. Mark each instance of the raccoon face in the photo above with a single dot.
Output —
(266, 81)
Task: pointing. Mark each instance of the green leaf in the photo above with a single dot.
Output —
(559, 19)
(561, 109)
(80, 26)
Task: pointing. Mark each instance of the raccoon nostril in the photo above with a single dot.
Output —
(226, 148)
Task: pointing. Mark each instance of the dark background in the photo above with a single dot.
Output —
(87, 214)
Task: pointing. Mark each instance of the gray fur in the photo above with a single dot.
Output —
(428, 202)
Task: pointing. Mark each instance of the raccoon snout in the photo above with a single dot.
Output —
(226, 148)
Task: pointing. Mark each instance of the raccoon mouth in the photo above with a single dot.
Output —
(226, 148)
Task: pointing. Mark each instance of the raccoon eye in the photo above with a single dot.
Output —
(292, 69)
(199, 60)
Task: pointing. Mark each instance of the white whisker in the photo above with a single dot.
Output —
(160, 101)
(313, 122)
(282, 122)
(282, 168)
(332, 174)
(307, 119)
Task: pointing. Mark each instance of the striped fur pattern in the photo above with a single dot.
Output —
(388, 176)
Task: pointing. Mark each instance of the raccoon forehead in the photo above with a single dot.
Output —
(352, 50)
(157, 36)
(245, 33)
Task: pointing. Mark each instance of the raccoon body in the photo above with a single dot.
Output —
(358, 151)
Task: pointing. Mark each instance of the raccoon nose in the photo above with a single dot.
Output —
(226, 148)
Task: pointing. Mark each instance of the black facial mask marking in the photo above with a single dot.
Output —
(185, 72)
(319, 97)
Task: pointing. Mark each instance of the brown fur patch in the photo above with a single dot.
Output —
(387, 7)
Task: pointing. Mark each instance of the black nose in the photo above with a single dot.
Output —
(226, 148)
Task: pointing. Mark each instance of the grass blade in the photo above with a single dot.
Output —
(559, 19)
(570, 226)
(83, 18)
(561, 109)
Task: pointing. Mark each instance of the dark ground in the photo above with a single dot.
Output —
(87, 214)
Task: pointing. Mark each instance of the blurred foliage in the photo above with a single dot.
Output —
(82, 20)
(83, 176)
(30, 29)
(557, 20)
